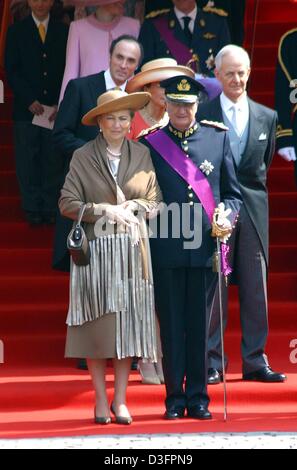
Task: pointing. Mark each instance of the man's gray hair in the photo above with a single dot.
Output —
(232, 49)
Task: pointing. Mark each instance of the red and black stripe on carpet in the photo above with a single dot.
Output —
(41, 394)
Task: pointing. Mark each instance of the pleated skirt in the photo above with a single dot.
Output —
(111, 309)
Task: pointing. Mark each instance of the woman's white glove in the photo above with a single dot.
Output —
(120, 215)
(221, 225)
(288, 154)
(131, 205)
(115, 214)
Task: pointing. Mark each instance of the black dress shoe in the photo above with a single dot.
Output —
(134, 363)
(199, 412)
(266, 374)
(176, 412)
(82, 364)
(214, 376)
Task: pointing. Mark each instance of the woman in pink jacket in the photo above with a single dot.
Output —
(89, 39)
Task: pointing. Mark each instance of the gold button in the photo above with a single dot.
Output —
(187, 155)
(185, 142)
(191, 203)
(45, 74)
(190, 195)
(44, 56)
(186, 149)
(168, 51)
(44, 92)
(189, 187)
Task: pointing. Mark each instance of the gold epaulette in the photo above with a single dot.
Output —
(155, 13)
(217, 11)
(216, 124)
(149, 130)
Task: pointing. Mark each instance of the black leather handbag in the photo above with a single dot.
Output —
(77, 242)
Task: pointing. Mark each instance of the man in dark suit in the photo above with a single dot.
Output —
(69, 134)
(184, 32)
(34, 62)
(286, 97)
(252, 130)
(182, 255)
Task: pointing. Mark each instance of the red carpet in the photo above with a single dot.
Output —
(41, 394)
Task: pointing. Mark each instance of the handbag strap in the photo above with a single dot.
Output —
(80, 214)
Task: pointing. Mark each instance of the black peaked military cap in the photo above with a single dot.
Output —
(182, 89)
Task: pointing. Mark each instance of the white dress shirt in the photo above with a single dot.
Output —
(44, 22)
(110, 83)
(242, 111)
(180, 14)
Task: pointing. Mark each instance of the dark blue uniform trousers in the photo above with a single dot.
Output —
(183, 302)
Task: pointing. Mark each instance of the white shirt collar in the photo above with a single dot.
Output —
(227, 104)
(38, 22)
(179, 14)
(110, 83)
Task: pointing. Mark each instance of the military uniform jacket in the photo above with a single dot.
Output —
(255, 161)
(34, 69)
(205, 143)
(286, 95)
(210, 34)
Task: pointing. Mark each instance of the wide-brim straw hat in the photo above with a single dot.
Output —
(156, 71)
(115, 100)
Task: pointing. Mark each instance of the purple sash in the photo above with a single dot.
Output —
(179, 50)
(177, 159)
(184, 166)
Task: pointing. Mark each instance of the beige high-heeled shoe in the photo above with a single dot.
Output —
(101, 419)
(120, 419)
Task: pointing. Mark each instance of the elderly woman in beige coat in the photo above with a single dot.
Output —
(111, 309)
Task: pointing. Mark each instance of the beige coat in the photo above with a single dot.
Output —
(105, 287)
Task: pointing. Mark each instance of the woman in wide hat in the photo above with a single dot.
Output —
(111, 310)
(148, 80)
